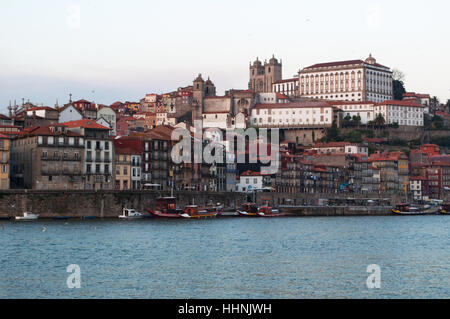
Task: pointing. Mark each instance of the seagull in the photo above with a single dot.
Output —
(44, 229)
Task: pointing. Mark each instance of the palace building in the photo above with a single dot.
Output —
(353, 80)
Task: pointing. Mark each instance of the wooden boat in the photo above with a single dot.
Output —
(165, 208)
(248, 210)
(194, 211)
(267, 211)
(412, 209)
(28, 216)
(5, 217)
(130, 213)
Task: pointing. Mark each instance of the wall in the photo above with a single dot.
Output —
(99, 203)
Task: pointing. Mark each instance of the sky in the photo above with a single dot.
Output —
(107, 50)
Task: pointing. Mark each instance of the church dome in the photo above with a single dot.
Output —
(371, 59)
(208, 82)
(273, 60)
(257, 62)
(199, 78)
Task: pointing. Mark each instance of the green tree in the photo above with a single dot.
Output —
(379, 120)
(356, 120)
(333, 133)
(398, 84)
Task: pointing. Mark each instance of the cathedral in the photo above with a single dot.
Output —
(263, 76)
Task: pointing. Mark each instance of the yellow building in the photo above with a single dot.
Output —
(4, 161)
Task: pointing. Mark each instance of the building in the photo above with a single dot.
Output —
(262, 77)
(353, 80)
(299, 114)
(109, 115)
(287, 87)
(99, 153)
(404, 113)
(364, 110)
(423, 99)
(4, 161)
(252, 181)
(128, 154)
(48, 157)
(69, 113)
(340, 148)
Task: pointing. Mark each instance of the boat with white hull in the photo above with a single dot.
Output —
(28, 216)
(130, 213)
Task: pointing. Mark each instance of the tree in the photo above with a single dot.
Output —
(435, 101)
(333, 133)
(356, 120)
(398, 84)
(346, 120)
(379, 120)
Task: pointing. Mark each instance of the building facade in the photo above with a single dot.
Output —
(354, 80)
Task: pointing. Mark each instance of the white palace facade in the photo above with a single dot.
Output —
(353, 80)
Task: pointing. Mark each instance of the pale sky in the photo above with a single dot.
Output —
(121, 50)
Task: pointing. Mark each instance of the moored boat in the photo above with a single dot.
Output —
(412, 209)
(267, 211)
(445, 209)
(130, 213)
(248, 210)
(165, 208)
(194, 211)
(28, 216)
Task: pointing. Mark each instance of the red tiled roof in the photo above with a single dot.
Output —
(292, 105)
(281, 96)
(4, 117)
(286, 80)
(85, 123)
(342, 63)
(45, 131)
(440, 113)
(400, 103)
(128, 145)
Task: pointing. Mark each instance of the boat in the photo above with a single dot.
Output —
(413, 209)
(165, 208)
(130, 213)
(60, 217)
(230, 212)
(194, 211)
(5, 217)
(267, 211)
(248, 210)
(445, 209)
(28, 216)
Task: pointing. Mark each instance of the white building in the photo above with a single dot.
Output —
(288, 87)
(302, 114)
(274, 97)
(136, 171)
(353, 80)
(110, 116)
(250, 181)
(415, 186)
(69, 113)
(404, 113)
(365, 110)
(341, 148)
